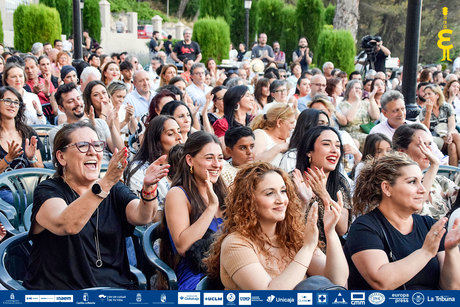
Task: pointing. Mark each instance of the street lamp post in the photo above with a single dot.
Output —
(77, 39)
(247, 6)
(409, 81)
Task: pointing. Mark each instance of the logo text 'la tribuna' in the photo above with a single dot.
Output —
(445, 48)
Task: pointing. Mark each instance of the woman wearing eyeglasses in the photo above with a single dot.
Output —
(19, 144)
(79, 222)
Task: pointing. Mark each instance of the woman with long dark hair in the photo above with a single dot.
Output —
(238, 103)
(182, 114)
(318, 158)
(307, 119)
(262, 92)
(193, 208)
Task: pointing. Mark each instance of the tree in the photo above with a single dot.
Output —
(43, 24)
(65, 9)
(329, 14)
(310, 20)
(213, 36)
(346, 16)
(238, 24)
(271, 19)
(215, 8)
(92, 19)
(1, 29)
(289, 36)
(338, 47)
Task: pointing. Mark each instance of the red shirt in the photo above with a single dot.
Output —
(43, 98)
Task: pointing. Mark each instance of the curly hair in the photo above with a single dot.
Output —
(368, 191)
(241, 216)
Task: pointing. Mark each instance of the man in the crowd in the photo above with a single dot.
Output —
(197, 90)
(355, 75)
(87, 75)
(155, 63)
(155, 44)
(168, 45)
(327, 70)
(280, 57)
(421, 94)
(141, 96)
(394, 109)
(438, 78)
(239, 142)
(47, 48)
(381, 54)
(42, 87)
(99, 51)
(127, 71)
(303, 55)
(186, 49)
(37, 49)
(317, 86)
(94, 60)
(58, 45)
(71, 103)
(262, 50)
(134, 61)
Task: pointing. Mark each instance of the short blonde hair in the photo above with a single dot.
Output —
(437, 90)
(269, 120)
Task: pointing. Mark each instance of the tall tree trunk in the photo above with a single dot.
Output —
(182, 5)
(347, 16)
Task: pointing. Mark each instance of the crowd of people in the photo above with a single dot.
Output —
(260, 180)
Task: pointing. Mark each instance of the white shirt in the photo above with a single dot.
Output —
(30, 112)
(198, 95)
(141, 106)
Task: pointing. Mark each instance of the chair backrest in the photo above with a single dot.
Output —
(451, 172)
(203, 284)
(22, 184)
(151, 235)
(14, 258)
(26, 218)
(43, 134)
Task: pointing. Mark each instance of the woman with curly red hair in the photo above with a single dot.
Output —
(265, 243)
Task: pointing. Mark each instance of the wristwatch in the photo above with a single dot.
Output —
(97, 190)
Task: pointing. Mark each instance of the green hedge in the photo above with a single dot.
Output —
(65, 9)
(338, 47)
(329, 14)
(43, 24)
(216, 8)
(92, 19)
(310, 20)
(143, 9)
(290, 36)
(271, 19)
(238, 24)
(213, 35)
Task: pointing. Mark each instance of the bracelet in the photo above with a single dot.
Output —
(4, 159)
(148, 199)
(298, 262)
(149, 193)
(39, 115)
(33, 160)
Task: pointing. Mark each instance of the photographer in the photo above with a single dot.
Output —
(376, 53)
(381, 53)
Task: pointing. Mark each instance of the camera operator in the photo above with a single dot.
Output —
(381, 53)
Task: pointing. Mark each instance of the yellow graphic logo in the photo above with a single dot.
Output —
(445, 48)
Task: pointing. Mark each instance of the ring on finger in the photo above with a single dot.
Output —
(119, 165)
(436, 233)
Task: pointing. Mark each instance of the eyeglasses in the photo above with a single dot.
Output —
(83, 147)
(10, 102)
(319, 84)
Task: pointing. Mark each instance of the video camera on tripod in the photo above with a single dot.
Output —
(368, 55)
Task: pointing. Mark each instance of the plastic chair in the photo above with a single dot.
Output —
(449, 171)
(26, 218)
(150, 236)
(14, 259)
(43, 134)
(22, 184)
(203, 284)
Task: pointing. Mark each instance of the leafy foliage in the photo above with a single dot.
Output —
(336, 46)
(92, 19)
(290, 36)
(310, 20)
(215, 8)
(238, 24)
(65, 9)
(43, 24)
(271, 19)
(213, 36)
(329, 14)
(1, 29)
(143, 9)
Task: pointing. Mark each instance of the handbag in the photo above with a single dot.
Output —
(366, 128)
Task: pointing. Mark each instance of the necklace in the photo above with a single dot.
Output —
(96, 236)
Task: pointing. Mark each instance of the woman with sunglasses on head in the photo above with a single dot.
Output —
(390, 246)
(19, 144)
(79, 222)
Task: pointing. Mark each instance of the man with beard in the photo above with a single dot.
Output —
(303, 55)
(71, 103)
(280, 57)
(262, 50)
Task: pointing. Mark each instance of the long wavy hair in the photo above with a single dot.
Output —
(20, 118)
(242, 218)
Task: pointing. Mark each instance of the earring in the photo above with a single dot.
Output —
(309, 159)
(191, 169)
(237, 107)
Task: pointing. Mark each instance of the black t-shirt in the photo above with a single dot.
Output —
(168, 47)
(152, 45)
(303, 62)
(21, 161)
(380, 59)
(68, 262)
(187, 51)
(365, 233)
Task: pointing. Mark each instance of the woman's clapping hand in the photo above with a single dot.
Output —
(156, 171)
(311, 231)
(332, 212)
